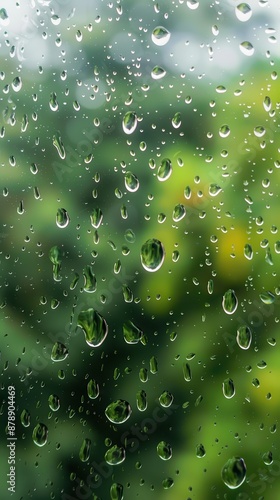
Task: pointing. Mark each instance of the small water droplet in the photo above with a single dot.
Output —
(164, 170)
(40, 434)
(160, 36)
(4, 18)
(118, 411)
(230, 302)
(176, 120)
(25, 418)
(187, 372)
(267, 103)
(116, 491)
(53, 102)
(167, 483)
(200, 451)
(62, 218)
(58, 144)
(164, 450)
(244, 337)
(96, 218)
(248, 251)
(152, 255)
(89, 279)
(267, 458)
(234, 472)
(228, 388)
(17, 84)
(267, 297)
(193, 4)
(214, 189)
(55, 20)
(259, 131)
(129, 123)
(94, 327)
(224, 131)
(179, 212)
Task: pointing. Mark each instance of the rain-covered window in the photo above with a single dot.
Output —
(139, 249)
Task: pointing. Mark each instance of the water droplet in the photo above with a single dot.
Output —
(54, 402)
(127, 294)
(92, 389)
(187, 372)
(247, 48)
(55, 19)
(267, 297)
(244, 337)
(59, 352)
(4, 18)
(248, 251)
(166, 399)
(158, 72)
(179, 212)
(96, 218)
(84, 452)
(200, 451)
(89, 279)
(62, 218)
(167, 483)
(17, 84)
(58, 144)
(53, 102)
(152, 255)
(176, 120)
(129, 123)
(131, 182)
(153, 365)
(118, 411)
(268, 256)
(210, 287)
(228, 388)
(267, 103)
(259, 131)
(243, 12)
(164, 170)
(94, 327)
(192, 4)
(214, 189)
(230, 302)
(267, 458)
(131, 333)
(160, 36)
(234, 472)
(40, 434)
(55, 256)
(224, 131)
(116, 491)
(141, 400)
(25, 418)
(164, 450)
(115, 455)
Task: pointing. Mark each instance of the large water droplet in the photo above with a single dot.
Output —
(152, 255)
(141, 400)
(58, 144)
(59, 352)
(267, 297)
(164, 170)
(267, 103)
(96, 218)
(131, 182)
(116, 491)
(54, 402)
(187, 372)
(84, 452)
(92, 389)
(158, 72)
(131, 333)
(118, 411)
(248, 251)
(4, 18)
(176, 120)
(62, 218)
(230, 302)
(244, 337)
(160, 36)
(166, 399)
(17, 84)
(200, 451)
(228, 388)
(214, 189)
(259, 131)
(129, 123)
(115, 455)
(53, 102)
(247, 48)
(224, 131)
(243, 12)
(179, 212)
(40, 434)
(89, 279)
(234, 472)
(94, 327)
(268, 458)
(164, 450)
(192, 4)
